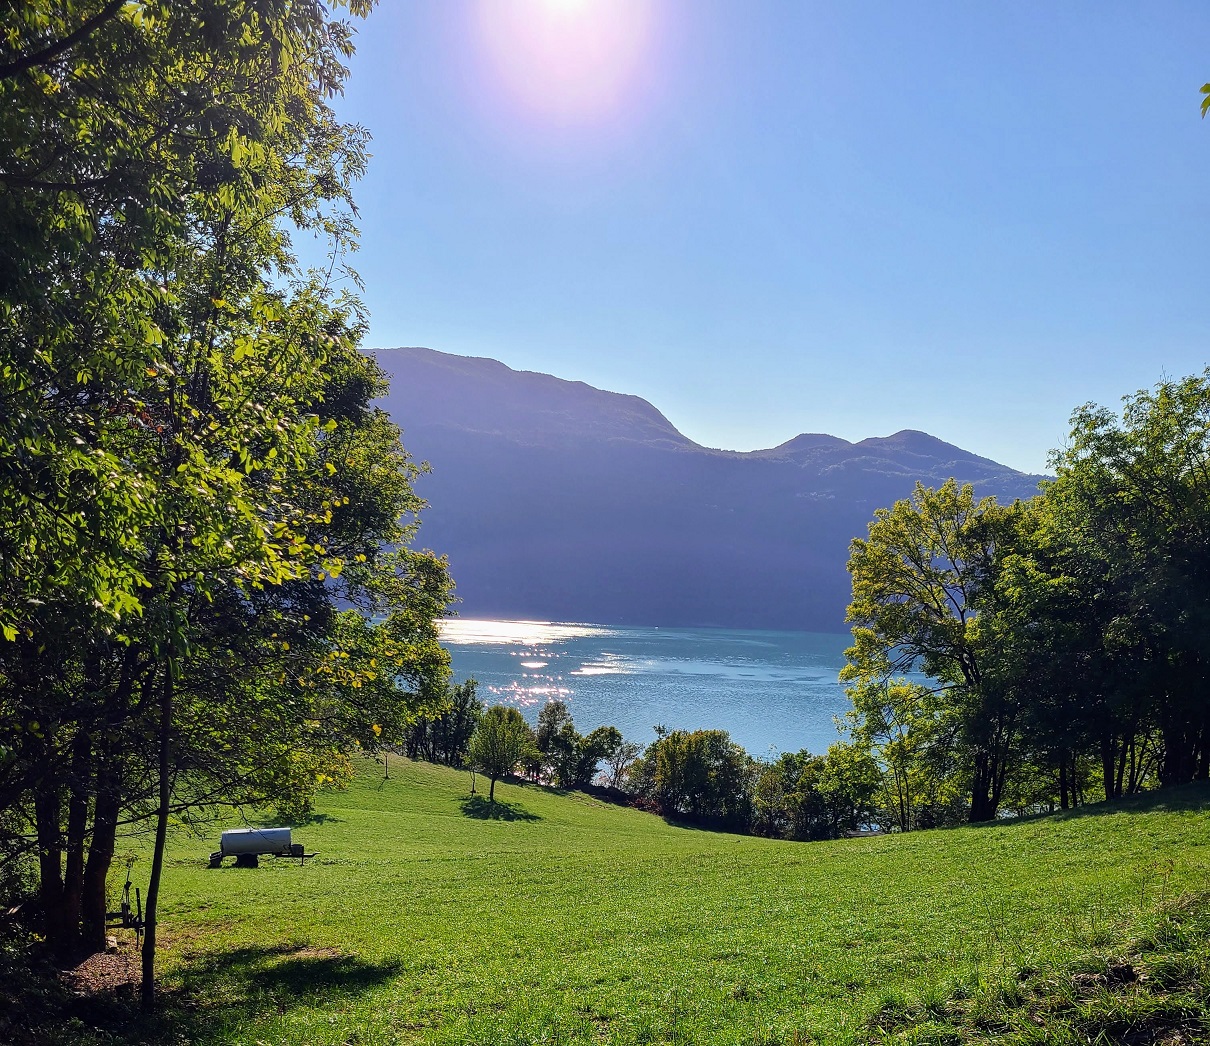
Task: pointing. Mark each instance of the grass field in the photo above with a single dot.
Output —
(430, 917)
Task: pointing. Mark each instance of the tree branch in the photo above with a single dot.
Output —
(52, 51)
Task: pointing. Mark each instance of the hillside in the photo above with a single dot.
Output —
(557, 500)
(425, 921)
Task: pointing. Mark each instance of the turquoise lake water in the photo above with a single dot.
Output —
(772, 691)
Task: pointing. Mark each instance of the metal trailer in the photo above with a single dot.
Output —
(247, 845)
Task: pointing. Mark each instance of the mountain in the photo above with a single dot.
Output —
(556, 500)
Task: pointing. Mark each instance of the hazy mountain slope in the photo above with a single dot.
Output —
(557, 500)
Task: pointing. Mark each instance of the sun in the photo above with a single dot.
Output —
(567, 61)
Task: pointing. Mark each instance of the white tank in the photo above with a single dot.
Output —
(236, 841)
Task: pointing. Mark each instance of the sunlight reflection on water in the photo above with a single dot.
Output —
(524, 633)
(770, 690)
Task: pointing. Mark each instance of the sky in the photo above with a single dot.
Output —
(770, 217)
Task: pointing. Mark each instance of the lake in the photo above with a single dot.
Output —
(772, 691)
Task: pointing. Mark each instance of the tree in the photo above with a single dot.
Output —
(570, 757)
(186, 435)
(1131, 504)
(909, 734)
(620, 759)
(1059, 640)
(147, 153)
(552, 720)
(700, 774)
(445, 737)
(805, 796)
(501, 741)
(917, 581)
(602, 744)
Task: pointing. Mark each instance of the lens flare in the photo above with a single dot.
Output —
(566, 61)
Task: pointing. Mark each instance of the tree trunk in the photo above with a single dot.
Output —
(981, 784)
(1123, 756)
(1107, 766)
(161, 838)
(48, 810)
(107, 809)
(1063, 781)
(94, 910)
(491, 792)
(1179, 765)
(77, 831)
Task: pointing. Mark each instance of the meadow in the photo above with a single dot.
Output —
(429, 916)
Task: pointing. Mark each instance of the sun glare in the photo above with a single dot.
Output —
(568, 61)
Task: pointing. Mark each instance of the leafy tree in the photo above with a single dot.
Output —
(446, 736)
(570, 757)
(1060, 641)
(917, 581)
(146, 153)
(552, 720)
(700, 774)
(805, 796)
(501, 741)
(910, 733)
(1063, 634)
(601, 744)
(1132, 499)
(185, 434)
(620, 759)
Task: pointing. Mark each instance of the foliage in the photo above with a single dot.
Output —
(568, 756)
(909, 732)
(1065, 638)
(1132, 501)
(502, 739)
(192, 476)
(619, 761)
(917, 582)
(445, 737)
(702, 775)
(805, 796)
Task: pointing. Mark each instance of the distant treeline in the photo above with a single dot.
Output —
(700, 776)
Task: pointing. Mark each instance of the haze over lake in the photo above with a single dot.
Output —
(769, 690)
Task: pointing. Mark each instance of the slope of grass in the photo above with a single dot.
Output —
(431, 917)
(1157, 992)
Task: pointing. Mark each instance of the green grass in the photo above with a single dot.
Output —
(1156, 991)
(566, 920)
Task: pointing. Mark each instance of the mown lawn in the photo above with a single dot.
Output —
(562, 919)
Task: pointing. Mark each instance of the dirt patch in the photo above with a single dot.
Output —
(314, 953)
(105, 972)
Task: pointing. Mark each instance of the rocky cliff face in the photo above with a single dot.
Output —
(556, 500)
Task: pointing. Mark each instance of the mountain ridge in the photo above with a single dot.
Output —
(558, 500)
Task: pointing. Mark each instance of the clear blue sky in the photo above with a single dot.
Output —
(775, 217)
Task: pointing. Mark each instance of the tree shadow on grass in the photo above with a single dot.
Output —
(483, 809)
(286, 972)
(211, 1000)
(1189, 798)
